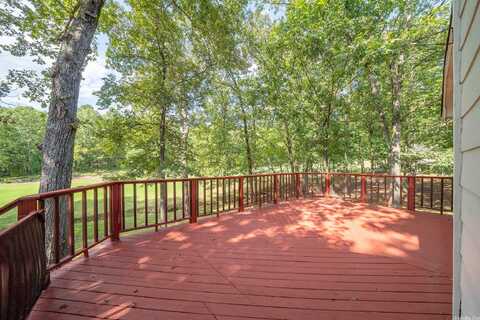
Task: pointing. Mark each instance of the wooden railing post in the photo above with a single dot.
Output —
(411, 194)
(276, 189)
(297, 185)
(193, 184)
(115, 210)
(25, 207)
(327, 185)
(363, 190)
(240, 195)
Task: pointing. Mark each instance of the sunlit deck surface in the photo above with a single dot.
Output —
(304, 259)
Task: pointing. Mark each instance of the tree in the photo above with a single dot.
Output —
(62, 32)
(202, 88)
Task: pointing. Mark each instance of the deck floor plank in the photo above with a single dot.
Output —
(304, 259)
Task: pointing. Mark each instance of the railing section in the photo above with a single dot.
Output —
(74, 220)
(23, 266)
(79, 218)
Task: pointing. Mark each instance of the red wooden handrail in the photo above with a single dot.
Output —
(111, 208)
(23, 266)
(62, 192)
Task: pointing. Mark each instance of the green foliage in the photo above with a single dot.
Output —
(97, 147)
(209, 88)
(21, 134)
(93, 150)
(318, 84)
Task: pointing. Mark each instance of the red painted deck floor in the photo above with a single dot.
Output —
(305, 259)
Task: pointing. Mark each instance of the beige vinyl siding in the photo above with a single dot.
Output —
(466, 22)
(470, 132)
(470, 45)
(470, 89)
(469, 306)
(466, 26)
(471, 172)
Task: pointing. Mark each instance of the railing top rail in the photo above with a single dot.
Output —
(14, 226)
(63, 192)
(380, 175)
(9, 206)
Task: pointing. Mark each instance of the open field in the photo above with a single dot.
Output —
(12, 191)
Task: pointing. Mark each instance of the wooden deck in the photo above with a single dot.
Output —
(305, 259)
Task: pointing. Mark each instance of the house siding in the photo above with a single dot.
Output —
(466, 97)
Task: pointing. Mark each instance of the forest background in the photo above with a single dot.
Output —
(196, 88)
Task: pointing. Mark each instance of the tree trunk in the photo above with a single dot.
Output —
(370, 141)
(248, 147)
(395, 168)
(326, 136)
(58, 144)
(288, 138)
(375, 89)
(162, 128)
(162, 142)
(184, 132)
(225, 169)
(246, 133)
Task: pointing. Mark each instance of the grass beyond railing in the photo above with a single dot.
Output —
(79, 218)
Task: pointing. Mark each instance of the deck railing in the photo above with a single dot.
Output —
(23, 266)
(79, 218)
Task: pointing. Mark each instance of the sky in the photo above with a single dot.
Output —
(92, 75)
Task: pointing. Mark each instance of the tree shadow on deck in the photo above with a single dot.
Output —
(305, 259)
(422, 239)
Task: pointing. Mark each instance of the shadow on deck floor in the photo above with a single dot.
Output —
(305, 259)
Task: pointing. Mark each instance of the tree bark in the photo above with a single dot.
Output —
(162, 128)
(248, 147)
(375, 89)
(326, 136)
(184, 132)
(288, 138)
(395, 167)
(246, 133)
(58, 144)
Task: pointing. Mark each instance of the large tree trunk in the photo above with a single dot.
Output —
(57, 148)
(395, 168)
(184, 132)
(162, 129)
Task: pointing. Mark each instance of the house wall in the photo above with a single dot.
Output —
(466, 99)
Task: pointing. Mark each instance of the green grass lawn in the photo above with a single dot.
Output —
(11, 191)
